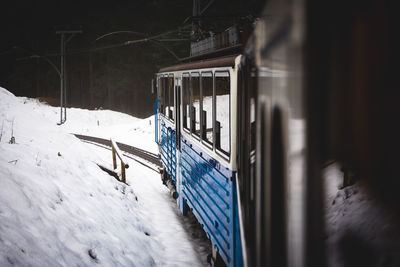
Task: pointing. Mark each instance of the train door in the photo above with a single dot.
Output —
(160, 107)
(178, 125)
(177, 108)
(157, 111)
(246, 156)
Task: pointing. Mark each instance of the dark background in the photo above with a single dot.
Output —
(99, 76)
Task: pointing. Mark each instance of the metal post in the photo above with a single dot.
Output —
(65, 80)
(63, 74)
(62, 79)
(196, 14)
(156, 119)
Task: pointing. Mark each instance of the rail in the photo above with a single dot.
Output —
(144, 155)
(117, 152)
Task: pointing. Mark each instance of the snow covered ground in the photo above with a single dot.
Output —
(57, 208)
(360, 229)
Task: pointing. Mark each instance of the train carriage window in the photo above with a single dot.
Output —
(207, 106)
(160, 94)
(252, 92)
(164, 95)
(222, 106)
(186, 96)
(195, 111)
(170, 81)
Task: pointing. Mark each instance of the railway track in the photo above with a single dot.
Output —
(148, 158)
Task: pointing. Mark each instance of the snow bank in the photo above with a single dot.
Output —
(57, 208)
(360, 230)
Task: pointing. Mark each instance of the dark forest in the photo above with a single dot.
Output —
(104, 70)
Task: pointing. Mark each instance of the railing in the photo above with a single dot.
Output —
(156, 120)
(116, 152)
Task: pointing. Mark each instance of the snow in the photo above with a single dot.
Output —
(360, 229)
(57, 208)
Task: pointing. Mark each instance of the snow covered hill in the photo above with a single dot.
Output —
(57, 208)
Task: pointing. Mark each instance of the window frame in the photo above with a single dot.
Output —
(220, 151)
(159, 93)
(207, 143)
(163, 95)
(171, 88)
(186, 75)
(193, 131)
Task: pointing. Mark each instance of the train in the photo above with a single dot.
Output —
(244, 137)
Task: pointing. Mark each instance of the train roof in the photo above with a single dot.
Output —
(227, 61)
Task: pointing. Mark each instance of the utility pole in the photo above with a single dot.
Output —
(198, 11)
(63, 74)
(196, 17)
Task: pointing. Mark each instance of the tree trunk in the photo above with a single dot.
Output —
(110, 92)
(38, 93)
(91, 89)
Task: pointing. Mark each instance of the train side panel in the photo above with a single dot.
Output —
(168, 148)
(210, 190)
(203, 176)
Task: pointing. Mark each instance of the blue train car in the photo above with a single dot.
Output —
(245, 140)
(196, 133)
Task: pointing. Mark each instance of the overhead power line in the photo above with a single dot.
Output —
(35, 55)
(117, 32)
(155, 39)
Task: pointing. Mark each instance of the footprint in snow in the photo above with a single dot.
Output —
(93, 255)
